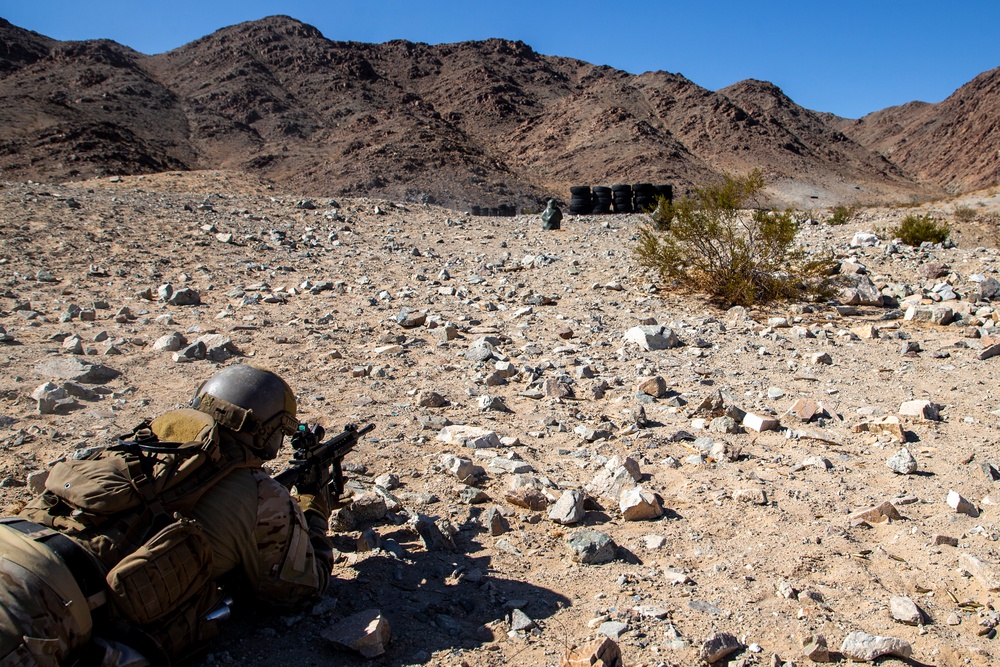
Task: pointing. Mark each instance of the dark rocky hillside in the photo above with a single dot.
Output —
(456, 124)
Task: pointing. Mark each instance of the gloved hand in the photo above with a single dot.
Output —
(317, 502)
(314, 478)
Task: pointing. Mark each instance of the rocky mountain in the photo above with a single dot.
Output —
(457, 124)
(953, 144)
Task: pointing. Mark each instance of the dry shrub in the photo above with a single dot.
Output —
(917, 229)
(841, 215)
(711, 243)
(964, 214)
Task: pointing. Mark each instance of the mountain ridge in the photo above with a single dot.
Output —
(457, 124)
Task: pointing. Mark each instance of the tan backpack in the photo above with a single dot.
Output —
(127, 504)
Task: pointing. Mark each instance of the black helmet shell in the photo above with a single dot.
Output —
(251, 401)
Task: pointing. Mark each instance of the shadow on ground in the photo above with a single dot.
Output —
(433, 600)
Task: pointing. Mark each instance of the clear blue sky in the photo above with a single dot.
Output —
(849, 57)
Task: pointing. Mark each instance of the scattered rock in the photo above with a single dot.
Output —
(617, 475)
(463, 469)
(750, 496)
(469, 436)
(654, 386)
(431, 399)
(184, 297)
(171, 342)
(759, 424)
(905, 610)
(638, 504)
(985, 572)
(591, 547)
(494, 522)
(889, 425)
(613, 629)
(902, 462)
(78, 371)
(941, 315)
(866, 648)
(815, 648)
(652, 337)
(366, 632)
(411, 319)
(878, 514)
(718, 646)
(962, 506)
(599, 653)
(569, 508)
(920, 409)
(528, 497)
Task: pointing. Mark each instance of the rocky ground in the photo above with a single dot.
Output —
(504, 371)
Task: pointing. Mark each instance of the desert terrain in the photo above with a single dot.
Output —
(423, 320)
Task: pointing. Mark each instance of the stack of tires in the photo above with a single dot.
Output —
(665, 192)
(622, 198)
(645, 197)
(475, 210)
(581, 202)
(601, 200)
(507, 210)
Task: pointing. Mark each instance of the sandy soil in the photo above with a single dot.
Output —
(555, 303)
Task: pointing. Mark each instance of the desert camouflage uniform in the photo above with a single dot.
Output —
(255, 528)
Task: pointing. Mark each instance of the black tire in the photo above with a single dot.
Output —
(600, 190)
(621, 188)
(580, 189)
(474, 210)
(623, 207)
(495, 212)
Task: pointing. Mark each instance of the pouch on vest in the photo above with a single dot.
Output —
(158, 577)
(162, 454)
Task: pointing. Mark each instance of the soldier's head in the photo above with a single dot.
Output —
(256, 406)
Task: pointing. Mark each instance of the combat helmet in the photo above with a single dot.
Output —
(254, 403)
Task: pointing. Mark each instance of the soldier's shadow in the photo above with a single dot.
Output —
(434, 600)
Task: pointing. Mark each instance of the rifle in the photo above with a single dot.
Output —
(313, 458)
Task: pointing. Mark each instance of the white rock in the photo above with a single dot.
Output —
(863, 239)
(568, 509)
(638, 504)
(933, 314)
(985, 572)
(902, 462)
(905, 610)
(958, 503)
(759, 424)
(921, 409)
(464, 469)
(469, 436)
(652, 337)
(866, 648)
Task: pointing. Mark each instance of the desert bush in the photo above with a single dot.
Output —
(841, 215)
(711, 243)
(916, 229)
(965, 214)
(663, 213)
